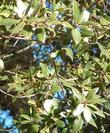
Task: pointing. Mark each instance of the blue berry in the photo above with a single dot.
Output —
(60, 95)
(78, 28)
(60, 15)
(75, 51)
(34, 38)
(48, 5)
(95, 51)
(66, 121)
(36, 45)
(8, 122)
(76, 62)
(59, 59)
(4, 114)
(14, 130)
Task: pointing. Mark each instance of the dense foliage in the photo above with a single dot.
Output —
(55, 66)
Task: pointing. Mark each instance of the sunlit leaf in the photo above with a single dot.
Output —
(19, 27)
(69, 52)
(79, 109)
(76, 35)
(87, 114)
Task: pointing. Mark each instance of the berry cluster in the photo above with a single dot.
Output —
(41, 52)
(61, 94)
(6, 122)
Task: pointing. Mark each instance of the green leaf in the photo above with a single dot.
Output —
(54, 54)
(10, 21)
(19, 87)
(92, 23)
(97, 100)
(76, 11)
(3, 78)
(25, 117)
(77, 94)
(108, 68)
(99, 113)
(50, 105)
(91, 94)
(64, 130)
(77, 125)
(31, 102)
(87, 114)
(86, 33)
(92, 122)
(60, 123)
(104, 51)
(104, 22)
(86, 56)
(55, 87)
(5, 13)
(86, 73)
(55, 22)
(18, 28)
(25, 122)
(67, 25)
(44, 68)
(79, 109)
(41, 34)
(69, 52)
(35, 128)
(35, 3)
(76, 35)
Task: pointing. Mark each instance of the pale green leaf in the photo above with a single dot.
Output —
(92, 122)
(77, 125)
(44, 68)
(79, 109)
(76, 11)
(18, 28)
(87, 114)
(104, 22)
(67, 25)
(41, 35)
(76, 35)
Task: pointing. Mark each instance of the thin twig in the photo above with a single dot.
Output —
(16, 42)
(18, 52)
(21, 97)
(13, 37)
